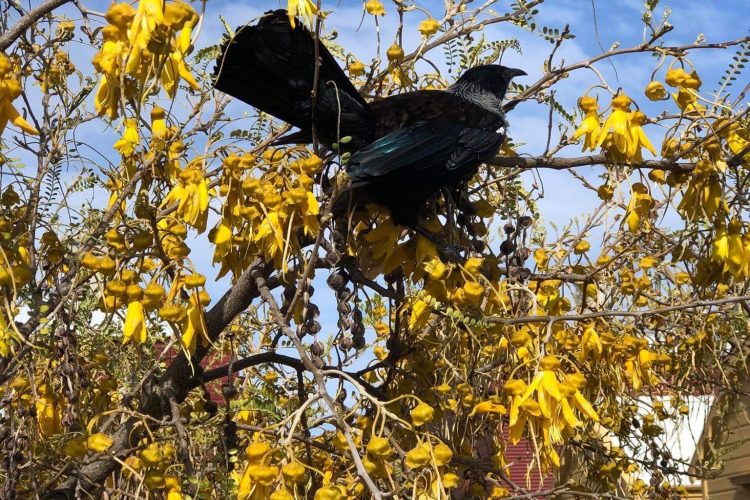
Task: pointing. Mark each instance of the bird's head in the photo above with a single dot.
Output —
(492, 78)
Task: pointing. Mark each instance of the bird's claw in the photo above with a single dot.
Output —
(450, 253)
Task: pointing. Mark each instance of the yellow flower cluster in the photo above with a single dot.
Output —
(15, 262)
(547, 403)
(47, 402)
(259, 477)
(142, 46)
(306, 9)
(687, 85)
(152, 463)
(730, 249)
(621, 135)
(190, 195)
(10, 89)
(55, 75)
(269, 205)
(122, 288)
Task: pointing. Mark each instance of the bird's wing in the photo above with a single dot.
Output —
(424, 149)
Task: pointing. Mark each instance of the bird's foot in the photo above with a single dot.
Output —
(450, 253)
(447, 252)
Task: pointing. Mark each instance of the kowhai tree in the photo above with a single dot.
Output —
(356, 360)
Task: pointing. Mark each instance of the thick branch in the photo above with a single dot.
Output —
(175, 383)
(32, 16)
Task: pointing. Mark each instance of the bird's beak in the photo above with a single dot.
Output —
(513, 72)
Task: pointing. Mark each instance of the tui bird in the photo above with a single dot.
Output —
(404, 148)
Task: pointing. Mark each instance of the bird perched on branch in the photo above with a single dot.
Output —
(403, 148)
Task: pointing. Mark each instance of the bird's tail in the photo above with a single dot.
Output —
(271, 66)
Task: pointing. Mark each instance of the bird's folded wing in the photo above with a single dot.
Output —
(424, 149)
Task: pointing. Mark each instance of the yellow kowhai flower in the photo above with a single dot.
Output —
(174, 69)
(590, 126)
(10, 89)
(702, 198)
(120, 15)
(98, 442)
(590, 343)
(573, 398)
(720, 244)
(736, 258)
(180, 16)
(420, 313)
(306, 9)
(736, 137)
(428, 27)
(192, 195)
(488, 407)
(135, 322)
(418, 456)
(524, 413)
(400, 77)
(148, 16)
(639, 206)
(356, 68)
(395, 52)
(129, 141)
(687, 101)
(639, 368)
(546, 386)
(375, 7)
(195, 325)
(48, 411)
(422, 414)
(159, 130)
(639, 138)
(6, 337)
(618, 123)
(675, 76)
(655, 91)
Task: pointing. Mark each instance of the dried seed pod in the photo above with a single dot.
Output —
(358, 329)
(337, 237)
(228, 391)
(507, 247)
(509, 228)
(333, 257)
(525, 222)
(311, 327)
(316, 349)
(344, 308)
(289, 293)
(345, 343)
(312, 312)
(357, 314)
(337, 280)
(358, 342)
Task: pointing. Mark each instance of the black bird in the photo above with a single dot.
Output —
(404, 148)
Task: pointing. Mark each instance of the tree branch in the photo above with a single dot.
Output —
(528, 162)
(31, 17)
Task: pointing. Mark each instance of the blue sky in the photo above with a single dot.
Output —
(617, 22)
